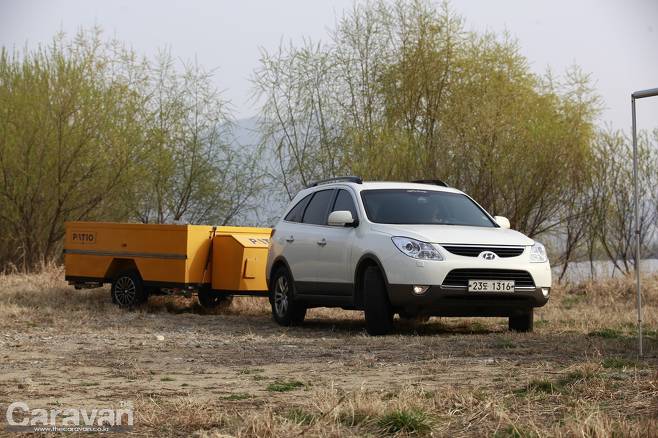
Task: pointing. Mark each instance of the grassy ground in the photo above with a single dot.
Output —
(237, 373)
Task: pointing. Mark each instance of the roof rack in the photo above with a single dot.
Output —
(352, 179)
(436, 182)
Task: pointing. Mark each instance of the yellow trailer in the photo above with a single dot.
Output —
(143, 259)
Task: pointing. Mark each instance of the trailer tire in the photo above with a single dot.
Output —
(285, 310)
(210, 301)
(128, 289)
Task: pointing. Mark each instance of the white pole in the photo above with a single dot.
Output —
(638, 95)
(637, 231)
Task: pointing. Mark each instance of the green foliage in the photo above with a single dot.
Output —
(411, 421)
(90, 131)
(559, 386)
(504, 342)
(572, 300)
(300, 416)
(251, 371)
(352, 418)
(618, 363)
(574, 377)
(407, 93)
(606, 333)
(285, 386)
(237, 396)
(69, 135)
(402, 91)
(539, 386)
(191, 172)
(515, 431)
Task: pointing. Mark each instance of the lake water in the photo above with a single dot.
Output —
(581, 271)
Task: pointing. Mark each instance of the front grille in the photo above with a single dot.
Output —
(460, 277)
(474, 251)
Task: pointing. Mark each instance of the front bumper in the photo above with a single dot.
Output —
(458, 301)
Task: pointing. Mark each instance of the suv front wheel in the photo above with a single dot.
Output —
(285, 310)
(377, 308)
(522, 323)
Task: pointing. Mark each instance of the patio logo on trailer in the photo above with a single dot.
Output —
(83, 237)
(21, 418)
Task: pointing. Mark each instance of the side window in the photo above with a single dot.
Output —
(344, 201)
(295, 215)
(318, 209)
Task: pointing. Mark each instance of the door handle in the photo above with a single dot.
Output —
(322, 242)
(290, 239)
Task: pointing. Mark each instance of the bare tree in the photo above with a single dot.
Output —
(193, 172)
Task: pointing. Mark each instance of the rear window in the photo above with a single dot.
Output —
(423, 207)
(295, 215)
(318, 209)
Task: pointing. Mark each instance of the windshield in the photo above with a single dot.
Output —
(423, 207)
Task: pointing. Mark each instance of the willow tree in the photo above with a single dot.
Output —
(91, 131)
(412, 94)
(193, 171)
(69, 135)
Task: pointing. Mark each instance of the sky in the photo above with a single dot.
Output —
(615, 41)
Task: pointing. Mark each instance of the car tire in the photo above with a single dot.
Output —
(209, 300)
(128, 289)
(522, 323)
(377, 308)
(285, 310)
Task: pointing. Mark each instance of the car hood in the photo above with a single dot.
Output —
(455, 234)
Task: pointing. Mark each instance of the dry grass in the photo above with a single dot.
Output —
(238, 374)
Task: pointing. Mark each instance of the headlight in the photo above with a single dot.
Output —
(538, 253)
(417, 249)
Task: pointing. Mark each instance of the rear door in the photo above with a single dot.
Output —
(335, 276)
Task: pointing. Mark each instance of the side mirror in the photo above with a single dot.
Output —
(502, 221)
(340, 218)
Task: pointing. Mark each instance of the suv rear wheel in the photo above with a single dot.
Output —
(377, 308)
(285, 310)
(522, 323)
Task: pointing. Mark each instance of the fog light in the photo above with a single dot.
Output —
(419, 290)
(545, 291)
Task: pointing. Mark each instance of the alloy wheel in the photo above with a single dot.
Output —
(125, 291)
(281, 296)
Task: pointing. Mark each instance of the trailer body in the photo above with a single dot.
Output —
(230, 260)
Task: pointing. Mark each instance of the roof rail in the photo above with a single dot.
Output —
(436, 182)
(352, 179)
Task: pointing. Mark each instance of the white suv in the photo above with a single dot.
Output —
(416, 249)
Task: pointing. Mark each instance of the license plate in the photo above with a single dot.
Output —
(491, 285)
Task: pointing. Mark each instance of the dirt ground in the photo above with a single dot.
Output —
(237, 373)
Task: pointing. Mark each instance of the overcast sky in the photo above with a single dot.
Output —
(616, 41)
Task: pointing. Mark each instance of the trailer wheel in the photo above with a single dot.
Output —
(209, 300)
(285, 310)
(128, 289)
